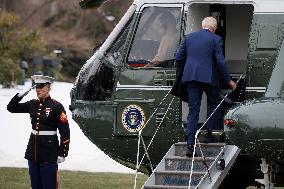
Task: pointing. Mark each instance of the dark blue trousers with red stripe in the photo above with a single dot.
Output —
(43, 175)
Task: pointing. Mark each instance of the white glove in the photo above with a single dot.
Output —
(60, 159)
(25, 92)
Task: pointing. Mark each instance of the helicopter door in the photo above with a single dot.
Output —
(234, 28)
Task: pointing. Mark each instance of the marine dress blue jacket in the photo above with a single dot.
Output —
(46, 115)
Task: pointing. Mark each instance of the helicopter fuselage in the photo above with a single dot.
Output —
(116, 95)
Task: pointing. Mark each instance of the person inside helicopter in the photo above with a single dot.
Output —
(156, 38)
(168, 43)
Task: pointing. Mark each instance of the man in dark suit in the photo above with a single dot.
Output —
(204, 64)
(44, 151)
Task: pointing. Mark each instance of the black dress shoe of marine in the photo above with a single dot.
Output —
(189, 152)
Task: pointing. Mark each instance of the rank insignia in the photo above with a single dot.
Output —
(63, 117)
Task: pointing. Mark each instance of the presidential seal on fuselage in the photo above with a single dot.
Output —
(133, 118)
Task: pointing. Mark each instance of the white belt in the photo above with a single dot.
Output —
(44, 132)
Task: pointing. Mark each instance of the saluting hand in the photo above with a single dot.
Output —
(233, 85)
(25, 92)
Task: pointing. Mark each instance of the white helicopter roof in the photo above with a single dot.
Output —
(264, 6)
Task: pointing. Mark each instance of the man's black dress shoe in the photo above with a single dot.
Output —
(209, 138)
(189, 151)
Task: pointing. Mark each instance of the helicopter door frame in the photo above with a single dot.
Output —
(194, 18)
(139, 12)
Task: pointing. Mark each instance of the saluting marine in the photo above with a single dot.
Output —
(43, 150)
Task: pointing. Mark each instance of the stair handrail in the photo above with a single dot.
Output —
(146, 149)
(156, 131)
(198, 131)
(214, 162)
(140, 138)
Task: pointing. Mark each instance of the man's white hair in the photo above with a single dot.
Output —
(209, 23)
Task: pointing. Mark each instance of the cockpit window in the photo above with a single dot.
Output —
(156, 40)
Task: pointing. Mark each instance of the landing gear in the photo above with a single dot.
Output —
(269, 172)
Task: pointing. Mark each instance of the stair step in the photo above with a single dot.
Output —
(209, 149)
(177, 178)
(173, 172)
(167, 187)
(184, 163)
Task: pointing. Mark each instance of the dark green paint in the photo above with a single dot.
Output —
(96, 121)
(260, 121)
(259, 129)
(265, 39)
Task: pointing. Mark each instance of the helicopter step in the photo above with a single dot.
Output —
(182, 164)
(208, 149)
(174, 170)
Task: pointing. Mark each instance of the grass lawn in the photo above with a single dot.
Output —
(17, 178)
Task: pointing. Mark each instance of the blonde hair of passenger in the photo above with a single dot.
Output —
(209, 23)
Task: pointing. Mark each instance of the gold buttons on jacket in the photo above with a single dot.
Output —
(37, 118)
(40, 104)
(38, 113)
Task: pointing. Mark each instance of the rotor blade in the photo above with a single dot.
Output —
(85, 4)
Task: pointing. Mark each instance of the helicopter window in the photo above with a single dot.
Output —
(114, 53)
(156, 39)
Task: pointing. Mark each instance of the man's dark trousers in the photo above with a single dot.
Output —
(194, 92)
(43, 175)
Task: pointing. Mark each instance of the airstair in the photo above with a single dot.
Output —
(174, 170)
